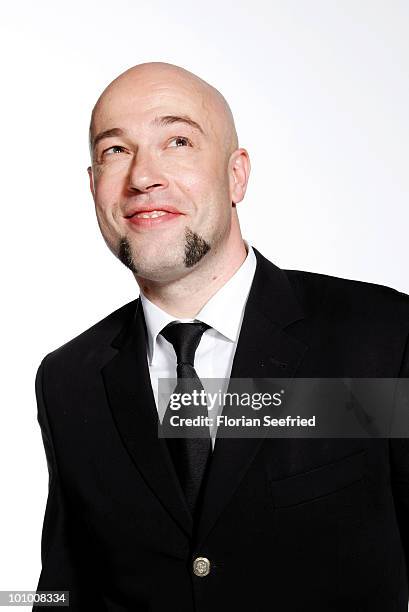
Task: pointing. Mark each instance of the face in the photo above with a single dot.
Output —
(162, 176)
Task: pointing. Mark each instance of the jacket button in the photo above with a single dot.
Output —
(201, 566)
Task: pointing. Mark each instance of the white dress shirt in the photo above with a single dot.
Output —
(214, 355)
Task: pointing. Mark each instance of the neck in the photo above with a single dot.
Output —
(185, 297)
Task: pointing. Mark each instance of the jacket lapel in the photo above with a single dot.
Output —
(264, 350)
(129, 390)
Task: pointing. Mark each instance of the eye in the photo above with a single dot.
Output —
(180, 141)
(121, 149)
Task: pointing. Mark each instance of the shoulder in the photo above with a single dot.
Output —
(345, 299)
(360, 327)
(94, 341)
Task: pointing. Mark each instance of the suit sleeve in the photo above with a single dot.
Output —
(58, 566)
(399, 460)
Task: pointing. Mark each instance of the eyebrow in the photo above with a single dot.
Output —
(158, 122)
(169, 119)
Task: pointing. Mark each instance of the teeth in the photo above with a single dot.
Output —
(151, 215)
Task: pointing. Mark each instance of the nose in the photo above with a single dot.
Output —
(145, 174)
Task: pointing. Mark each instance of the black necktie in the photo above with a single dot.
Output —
(190, 455)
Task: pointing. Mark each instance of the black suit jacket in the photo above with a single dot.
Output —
(287, 524)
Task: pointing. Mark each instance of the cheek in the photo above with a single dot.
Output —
(202, 182)
(108, 189)
(108, 215)
(109, 178)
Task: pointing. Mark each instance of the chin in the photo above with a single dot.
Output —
(158, 268)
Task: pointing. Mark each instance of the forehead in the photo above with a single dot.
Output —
(138, 101)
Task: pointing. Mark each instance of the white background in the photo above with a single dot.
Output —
(319, 90)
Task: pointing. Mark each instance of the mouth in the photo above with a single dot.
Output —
(152, 218)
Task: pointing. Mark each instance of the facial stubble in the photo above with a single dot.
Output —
(196, 248)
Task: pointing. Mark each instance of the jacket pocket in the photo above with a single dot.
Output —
(318, 482)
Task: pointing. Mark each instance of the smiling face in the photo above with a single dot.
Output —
(165, 171)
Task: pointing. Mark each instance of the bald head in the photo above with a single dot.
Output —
(137, 84)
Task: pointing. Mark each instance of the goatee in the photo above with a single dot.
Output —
(125, 254)
(195, 248)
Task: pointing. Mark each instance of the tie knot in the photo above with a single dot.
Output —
(185, 338)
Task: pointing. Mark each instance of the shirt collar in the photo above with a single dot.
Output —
(223, 312)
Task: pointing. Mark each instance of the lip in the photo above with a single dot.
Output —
(147, 208)
(169, 217)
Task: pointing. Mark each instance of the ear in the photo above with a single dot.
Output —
(239, 171)
(91, 181)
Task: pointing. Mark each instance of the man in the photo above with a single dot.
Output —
(137, 522)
